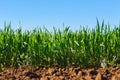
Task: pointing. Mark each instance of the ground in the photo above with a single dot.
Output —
(55, 73)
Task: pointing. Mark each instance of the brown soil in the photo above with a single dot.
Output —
(54, 73)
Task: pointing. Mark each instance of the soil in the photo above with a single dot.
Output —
(55, 73)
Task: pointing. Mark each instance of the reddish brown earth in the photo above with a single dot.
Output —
(43, 73)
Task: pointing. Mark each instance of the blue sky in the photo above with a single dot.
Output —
(33, 13)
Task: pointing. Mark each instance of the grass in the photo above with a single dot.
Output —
(39, 47)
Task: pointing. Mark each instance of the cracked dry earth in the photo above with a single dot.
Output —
(54, 73)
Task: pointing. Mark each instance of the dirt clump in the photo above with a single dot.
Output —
(55, 73)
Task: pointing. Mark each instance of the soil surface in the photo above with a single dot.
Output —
(54, 73)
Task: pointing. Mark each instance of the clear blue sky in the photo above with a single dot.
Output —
(33, 13)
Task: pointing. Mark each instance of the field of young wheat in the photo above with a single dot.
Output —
(98, 47)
